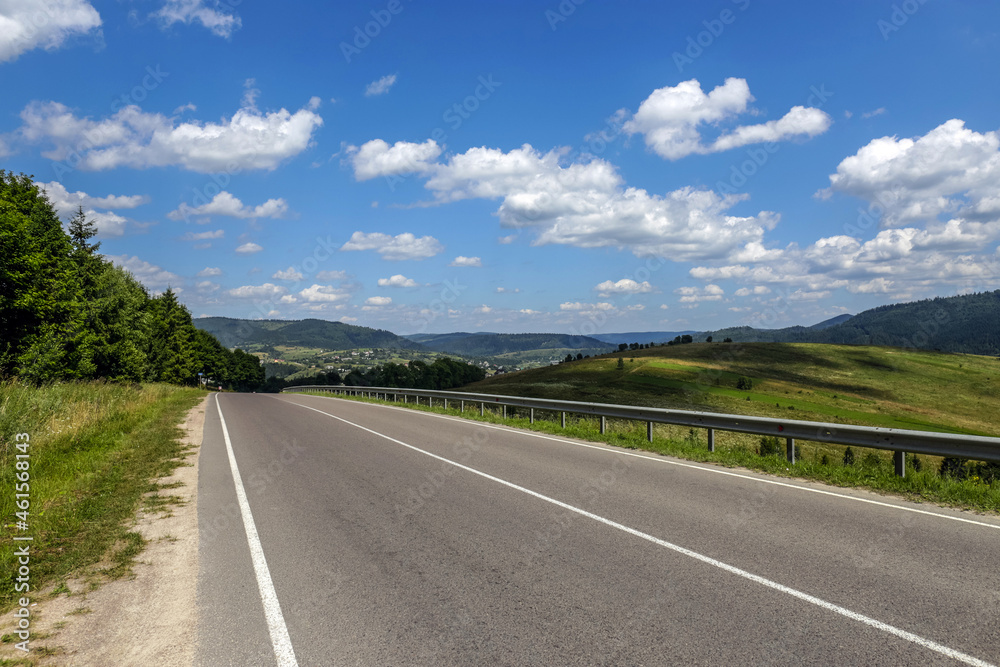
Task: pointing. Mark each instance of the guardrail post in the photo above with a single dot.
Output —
(505, 411)
(531, 415)
(711, 440)
(899, 462)
(564, 420)
(482, 409)
(604, 424)
(790, 450)
(446, 404)
(649, 431)
(461, 406)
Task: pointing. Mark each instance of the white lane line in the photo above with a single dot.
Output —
(614, 450)
(811, 599)
(280, 640)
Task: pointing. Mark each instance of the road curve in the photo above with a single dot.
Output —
(391, 536)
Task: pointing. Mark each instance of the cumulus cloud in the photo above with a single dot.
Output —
(196, 11)
(756, 290)
(398, 280)
(133, 138)
(66, 203)
(324, 294)
(624, 286)
(461, 260)
(225, 203)
(670, 119)
(587, 205)
(950, 170)
(381, 86)
(153, 277)
(394, 248)
(378, 301)
(377, 158)
(209, 271)
(249, 248)
(265, 291)
(288, 274)
(26, 25)
(699, 294)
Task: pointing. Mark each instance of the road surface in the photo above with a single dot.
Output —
(362, 534)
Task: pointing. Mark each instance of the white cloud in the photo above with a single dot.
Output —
(377, 158)
(950, 170)
(623, 286)
(699, 294)
(32, 24)
(203, 236)
(757, 290)
(508, 290)
(587, 205)
(324, 294)
(265, 291)
(466, 261)
(150, 275)
(191, 11)
(398, 280)
(584, 308)
(483, 310)
(872, 114)
(507, 240)
(225, 203)
(133, 138)
(331, 275)
(249, 249)
(873, 286)
(207, 287)
(394, 248)
(288, 274)
(66, 203)
(209, 271)
(669, 119)
(380, 87)
(378, 301)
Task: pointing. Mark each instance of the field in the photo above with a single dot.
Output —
(874, 386)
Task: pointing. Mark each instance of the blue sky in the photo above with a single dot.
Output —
(576, 167)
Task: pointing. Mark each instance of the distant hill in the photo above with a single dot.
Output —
(833, 321)
(969, 323)
(490, 345)
(304, 333)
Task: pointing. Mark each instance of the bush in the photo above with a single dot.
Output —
(744, 383)
(953, 467)
(824, 460)
(915, 463)
(771, 446)
(848, 457)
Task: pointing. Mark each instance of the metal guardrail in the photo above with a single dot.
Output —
(900, 441)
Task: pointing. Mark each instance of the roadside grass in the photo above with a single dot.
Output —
(95, 450)
(821, 462)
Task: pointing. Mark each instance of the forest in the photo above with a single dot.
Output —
(67, 313)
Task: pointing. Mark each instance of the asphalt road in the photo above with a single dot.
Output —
(392, 537)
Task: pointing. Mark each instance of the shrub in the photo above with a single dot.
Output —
(824, 460)
(770, 446)
(744, 383)
(848, 457)
(953, 467)
(915, 463)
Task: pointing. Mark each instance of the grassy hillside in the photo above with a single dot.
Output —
(877, 386)
(969, 323)
(493, 345)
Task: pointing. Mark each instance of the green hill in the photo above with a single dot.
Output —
(968, 323)
(878, 386)
(301, 333)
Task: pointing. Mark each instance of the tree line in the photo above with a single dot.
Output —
(66, 313)
(443, 373)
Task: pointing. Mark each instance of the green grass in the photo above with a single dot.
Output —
(95, 449)
(870, 386)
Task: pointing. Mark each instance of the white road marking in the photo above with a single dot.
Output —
(658, 459)
(811, 599)
(280, 640)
